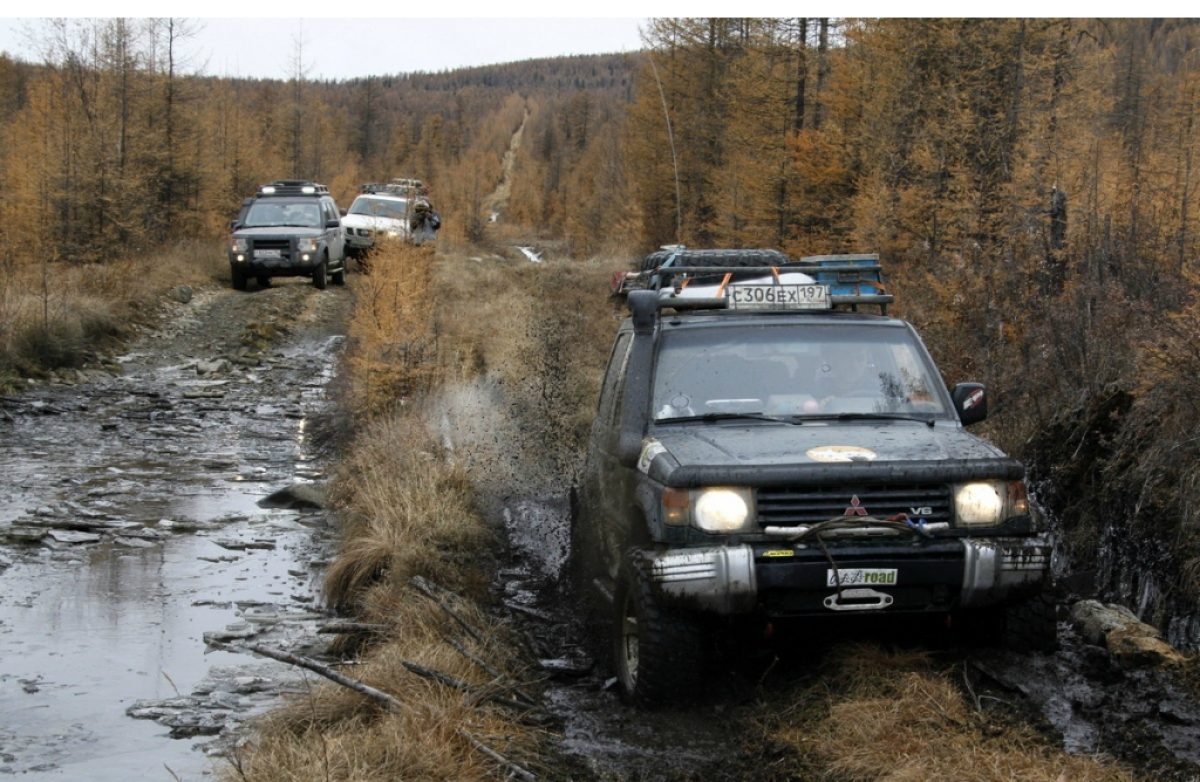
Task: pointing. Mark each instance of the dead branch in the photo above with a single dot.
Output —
(347, 628)
(491, 671)
(324, 670)
(518, 771)
(426, 588)
(460, 685)
(541, 616)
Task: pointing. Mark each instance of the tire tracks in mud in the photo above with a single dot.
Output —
(138, 535)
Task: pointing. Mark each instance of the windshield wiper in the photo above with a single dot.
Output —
(870, 417)
(726, 417)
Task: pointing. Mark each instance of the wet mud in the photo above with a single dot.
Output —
(132, 536)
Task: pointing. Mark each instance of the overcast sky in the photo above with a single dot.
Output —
(346, 48)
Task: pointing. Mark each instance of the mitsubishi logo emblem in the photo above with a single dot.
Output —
(856, 508)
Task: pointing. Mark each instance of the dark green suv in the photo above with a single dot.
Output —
(291, 228)
(761, 451)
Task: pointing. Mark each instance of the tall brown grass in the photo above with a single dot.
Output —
(60, 315)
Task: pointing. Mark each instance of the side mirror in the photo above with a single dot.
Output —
(234, 225)
(970, 401)
(332, 223)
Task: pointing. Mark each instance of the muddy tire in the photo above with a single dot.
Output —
(1031, 624)
(339, 277)
(658, 653)
(320, 276)
(238, 278)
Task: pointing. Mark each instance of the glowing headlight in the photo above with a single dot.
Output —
(721, 510)
(980, 504)
(307, 245)
(239, 245)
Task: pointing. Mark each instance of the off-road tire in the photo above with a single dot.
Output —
(238, 278)
(659, 653)
(320, 276)
(1032, 624)
(339, 277)
(264, 281)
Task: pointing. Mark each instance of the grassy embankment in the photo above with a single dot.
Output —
(408, 510)
(541, 334)
(64, 315)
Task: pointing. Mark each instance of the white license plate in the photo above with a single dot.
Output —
(788, 297)
(861, 576)
(267, 254)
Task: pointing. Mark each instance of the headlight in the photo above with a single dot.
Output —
(721, 509)
(987, 503)
(307, 245)
(239, 245)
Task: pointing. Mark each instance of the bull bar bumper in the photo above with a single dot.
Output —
(937, 575)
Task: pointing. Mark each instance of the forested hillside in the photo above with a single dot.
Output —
(1029, 183)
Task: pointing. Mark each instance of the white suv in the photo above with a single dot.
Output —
(375, 214)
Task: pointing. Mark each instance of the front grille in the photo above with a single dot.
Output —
(272, 244)
(792, 506)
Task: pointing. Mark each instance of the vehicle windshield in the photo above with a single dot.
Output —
(394, 209)
(265, 213)
(801, 370)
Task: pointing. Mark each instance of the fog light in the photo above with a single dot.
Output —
(241, 258)
(304, 257)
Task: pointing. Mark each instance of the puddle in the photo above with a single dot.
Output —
(125, 502)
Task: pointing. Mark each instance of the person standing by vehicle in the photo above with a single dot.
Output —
(424, 223)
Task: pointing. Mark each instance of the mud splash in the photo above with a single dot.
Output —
(131, 524)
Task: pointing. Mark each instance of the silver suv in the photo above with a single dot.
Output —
(291, 228)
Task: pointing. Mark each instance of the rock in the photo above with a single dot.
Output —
(237, 631)
(298, 495)
(128, 542)
(234, 544)
(72, 536)
(213, 367)
(24, 534)
(1095, 620)
(181, 293)
(1130, 641)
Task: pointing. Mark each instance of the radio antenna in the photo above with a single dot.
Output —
(670, 137)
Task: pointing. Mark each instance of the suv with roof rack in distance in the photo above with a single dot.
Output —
(291, 228)
(759, 454)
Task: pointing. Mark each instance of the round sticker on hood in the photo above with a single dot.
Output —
(840, 453)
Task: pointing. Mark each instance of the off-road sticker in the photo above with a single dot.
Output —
(861, 576)
(840, 453)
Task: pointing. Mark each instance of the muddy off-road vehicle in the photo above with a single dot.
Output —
(291, 228)
(764, 450)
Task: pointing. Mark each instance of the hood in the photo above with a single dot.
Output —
(276, 231)
(752, 453)
(374, 223)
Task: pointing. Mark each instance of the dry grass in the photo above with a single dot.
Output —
(406, 511)
(879, 716)
(62, 315)
(334, 733)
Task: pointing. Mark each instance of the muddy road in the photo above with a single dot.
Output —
(131, 534)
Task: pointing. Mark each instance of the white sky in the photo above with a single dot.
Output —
(345, 48)
(434, 36)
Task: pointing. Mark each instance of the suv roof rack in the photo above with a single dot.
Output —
(849, 280)
(293, 187)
